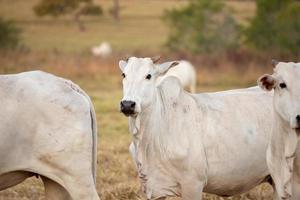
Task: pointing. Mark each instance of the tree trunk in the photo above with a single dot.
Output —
(80, 24)
(116, 10)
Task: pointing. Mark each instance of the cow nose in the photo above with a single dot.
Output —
(298, 120)
(128, 107)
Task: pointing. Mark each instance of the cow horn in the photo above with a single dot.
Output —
(155, 59)
(274, 62)
(127, 58)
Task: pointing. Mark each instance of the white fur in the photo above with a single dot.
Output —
(186, 74)
(283, 154)
(185, 144)
(48, 127)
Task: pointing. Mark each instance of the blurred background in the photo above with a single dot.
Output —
(230, 42)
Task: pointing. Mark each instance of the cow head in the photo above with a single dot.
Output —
(139, 76)
(285, 81)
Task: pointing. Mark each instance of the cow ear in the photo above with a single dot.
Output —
(122, 65)
(164, 67)
(266, 82)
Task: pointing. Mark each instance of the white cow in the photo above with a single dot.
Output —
(47, 128)
(186, 74)
(185, 143)
(283, 154)
(104, 50)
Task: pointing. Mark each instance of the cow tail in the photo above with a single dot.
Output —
(94, 137)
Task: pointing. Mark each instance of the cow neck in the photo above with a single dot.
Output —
(147, 128)
(146, 120)
(283, 133)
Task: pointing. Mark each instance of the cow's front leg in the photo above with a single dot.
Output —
(192, 190)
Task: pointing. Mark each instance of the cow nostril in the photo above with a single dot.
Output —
(298, 118)
(132, 104)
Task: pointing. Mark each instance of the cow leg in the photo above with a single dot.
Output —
(275, 194)
(82, 188)
(54, 191)
(192, 190)
(296, 182)
(13, 178)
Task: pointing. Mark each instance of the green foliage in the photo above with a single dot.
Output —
(92, 10)
(77, 8)
(202, 26)
(275, 26)
(9, 34)
(288, 29)
(62, 7)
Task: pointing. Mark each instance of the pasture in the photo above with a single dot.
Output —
(117, 178)
(58, 47)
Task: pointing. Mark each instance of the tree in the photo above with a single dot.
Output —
(288, 29)
(9, 34)
(77, 8)
(202, 26)
(276, 27)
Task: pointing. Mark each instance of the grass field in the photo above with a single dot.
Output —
(58, 47)
(140, 27)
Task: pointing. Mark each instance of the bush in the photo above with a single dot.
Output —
(202, 26)
(288, 29)
(9, 34)
(276, 26)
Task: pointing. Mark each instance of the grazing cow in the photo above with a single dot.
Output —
(104, 50)
(283, 154)
(48, 129)
(186, 74)
(185, 143)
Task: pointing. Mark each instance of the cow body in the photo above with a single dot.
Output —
(216, 141)
(283, 153)
(48, 128)
(186, 74)
(185, 143)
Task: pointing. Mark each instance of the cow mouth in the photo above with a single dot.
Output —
(129, 113)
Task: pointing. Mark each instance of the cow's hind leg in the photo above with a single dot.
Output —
(83, 188)
(54, 191)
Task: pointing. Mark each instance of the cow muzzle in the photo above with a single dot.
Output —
(128, 107)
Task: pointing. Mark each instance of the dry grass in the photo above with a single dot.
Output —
(117, 179)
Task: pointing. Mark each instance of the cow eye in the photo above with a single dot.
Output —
(148, 77)
(123, 75)
(282, 85)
